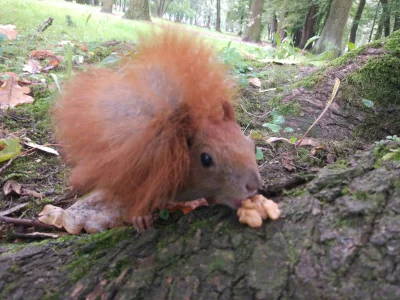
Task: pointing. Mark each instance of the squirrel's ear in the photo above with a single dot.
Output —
(229, 113)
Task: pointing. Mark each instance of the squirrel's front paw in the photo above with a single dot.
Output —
(141, 223)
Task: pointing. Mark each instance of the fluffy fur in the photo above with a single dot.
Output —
(127, 132)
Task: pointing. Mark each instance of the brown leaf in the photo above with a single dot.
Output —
(330, 158)
(287, 162)
(33, 66)
(40, 54)
(315, 150)
(12, 95)
(9, 31)
(27, 192)
(308, 142)
(255, 82)
(185, 207)
(83, 47)
(12, 186)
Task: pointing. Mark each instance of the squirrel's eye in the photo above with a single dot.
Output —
(206, 160)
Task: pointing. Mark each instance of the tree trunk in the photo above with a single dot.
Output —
(282, 20)
(96, 2)
(274, 26)
(332, 33)
(379, 30)
(161, 7)
(107, 6)
(218, 21)
(241, 25)
(209, 21)
(386, 17)
(253, 33)
(138, 10)
(308, 27)
(373, 23)
(329, 245)
(396, 25)
(356, 21)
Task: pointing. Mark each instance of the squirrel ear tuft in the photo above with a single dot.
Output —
(229, 113)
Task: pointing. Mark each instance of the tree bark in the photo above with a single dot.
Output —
(282, 20)
(253, 33)
(274, 26)
(373, 23)
(386, 17)
(332, 33)
(161, 7)
(138, 10)
(379, 30)
(107, 6)
(396, 25)
(356, 21)
(218, 21)
(308, 27)
(341, 237)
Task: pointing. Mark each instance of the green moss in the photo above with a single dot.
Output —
(349, 56)
(339, 164)
(92, 250)
(293, 108)
(378, 80)
(393, 43)
(311, 80)
(344, 191)
(294, 192)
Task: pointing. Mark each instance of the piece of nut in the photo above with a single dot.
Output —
(256, 209)
(272, 209)
(250, 217)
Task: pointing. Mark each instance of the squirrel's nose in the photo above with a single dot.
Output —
(253, 182)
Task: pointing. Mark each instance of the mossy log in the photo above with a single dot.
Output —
(369, 75)
(338, 238)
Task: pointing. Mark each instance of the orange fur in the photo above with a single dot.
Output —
(126, 132)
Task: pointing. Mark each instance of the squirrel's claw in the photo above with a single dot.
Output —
(141, 223)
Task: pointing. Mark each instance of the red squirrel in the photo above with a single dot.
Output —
(160, 129)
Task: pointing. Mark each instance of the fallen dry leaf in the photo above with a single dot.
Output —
(11, 94)
(272, 139)
(12, 186)
(185, 207)
(29, 143)
(83, 47)
(41, 54)
(308, 142)
(9, 31)
(255, 82)
(330, 158)
(287, 162)
(33, 66)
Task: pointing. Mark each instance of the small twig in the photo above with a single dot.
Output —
(253, 115)
(334, 92)
(12, 209)
(42, 27)
(3, 168)
(37, 235)
(28, 223)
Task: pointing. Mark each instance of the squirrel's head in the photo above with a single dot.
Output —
(223, 166)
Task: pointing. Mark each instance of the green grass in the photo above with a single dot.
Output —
(27, 15)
